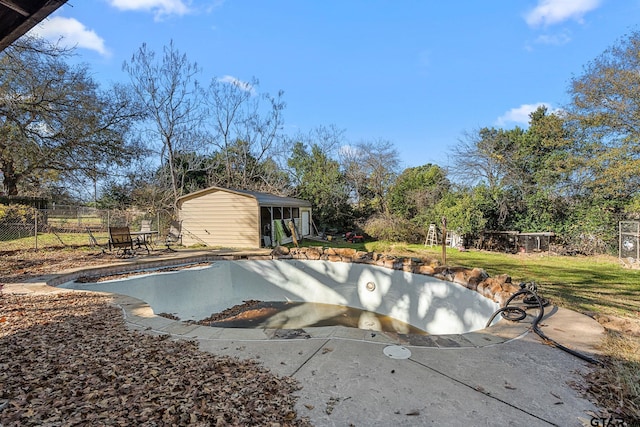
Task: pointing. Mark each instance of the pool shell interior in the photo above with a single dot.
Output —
(499, 288)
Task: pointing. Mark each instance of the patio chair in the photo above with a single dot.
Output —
(174, 235)
(120, 240)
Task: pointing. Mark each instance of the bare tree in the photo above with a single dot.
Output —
(481, 156)
(247, 135)
(173, 99)
(370, 169)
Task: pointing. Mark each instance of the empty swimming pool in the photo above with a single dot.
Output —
(424, 302)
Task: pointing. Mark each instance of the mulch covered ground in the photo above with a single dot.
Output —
(68, 359)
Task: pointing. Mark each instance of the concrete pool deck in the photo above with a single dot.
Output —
(502, 375)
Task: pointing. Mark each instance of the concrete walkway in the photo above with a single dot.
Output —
(502, 375)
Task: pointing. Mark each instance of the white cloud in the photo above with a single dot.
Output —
(71, 33)
(247, 87)
(549, 12)
(520, 115)
(558, 39)
(215, 4)
(160, 8)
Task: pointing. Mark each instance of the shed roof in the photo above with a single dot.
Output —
(19, 16)
(264, 199)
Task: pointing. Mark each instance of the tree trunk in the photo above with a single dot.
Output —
(10, 183)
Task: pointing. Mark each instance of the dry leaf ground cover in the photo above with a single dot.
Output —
(22, 265)
(68, 359)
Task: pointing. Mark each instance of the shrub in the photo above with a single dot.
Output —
(17, 214)
(393, 228)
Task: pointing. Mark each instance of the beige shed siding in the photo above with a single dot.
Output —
(220, 218)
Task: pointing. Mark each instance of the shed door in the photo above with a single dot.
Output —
(305, 223)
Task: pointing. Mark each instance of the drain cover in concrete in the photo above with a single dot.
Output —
(397, 352)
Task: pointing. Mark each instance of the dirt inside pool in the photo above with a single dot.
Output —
(290, 315)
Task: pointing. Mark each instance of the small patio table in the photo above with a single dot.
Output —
(145, 237)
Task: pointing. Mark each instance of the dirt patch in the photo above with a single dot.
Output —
(235, 312)
(623, 325)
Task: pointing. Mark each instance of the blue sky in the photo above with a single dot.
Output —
(417, 73)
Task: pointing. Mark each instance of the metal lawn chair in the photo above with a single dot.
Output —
(174, 235)
(120, 240)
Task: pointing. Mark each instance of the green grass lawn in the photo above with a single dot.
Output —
(588, 284)
(49, 240)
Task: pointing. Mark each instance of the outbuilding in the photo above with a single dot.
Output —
(222, 217)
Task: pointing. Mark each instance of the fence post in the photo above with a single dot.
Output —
(36, 228)
(444, 240)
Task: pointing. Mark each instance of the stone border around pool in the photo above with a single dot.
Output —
(498, 289)
(139, 315)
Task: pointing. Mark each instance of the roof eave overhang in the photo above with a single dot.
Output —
(24, 20)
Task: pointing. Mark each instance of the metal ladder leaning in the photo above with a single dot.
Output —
(432, 239)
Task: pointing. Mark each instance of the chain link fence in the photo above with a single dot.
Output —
(73, 226)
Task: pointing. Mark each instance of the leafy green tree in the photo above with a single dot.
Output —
(632, 208)
(17, 214)
(543, 164)
(539, 211)
(393, 228)
(417, 190)
(236, 167)
(194, 170)
(526, 172)
(56, 124)
(319, 180)
(604, 113)
(464, 209)
(576, 172)
(115, 194)
(590, 228)
(411, 200)
(546, 151)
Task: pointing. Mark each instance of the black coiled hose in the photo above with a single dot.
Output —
(517, 314)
